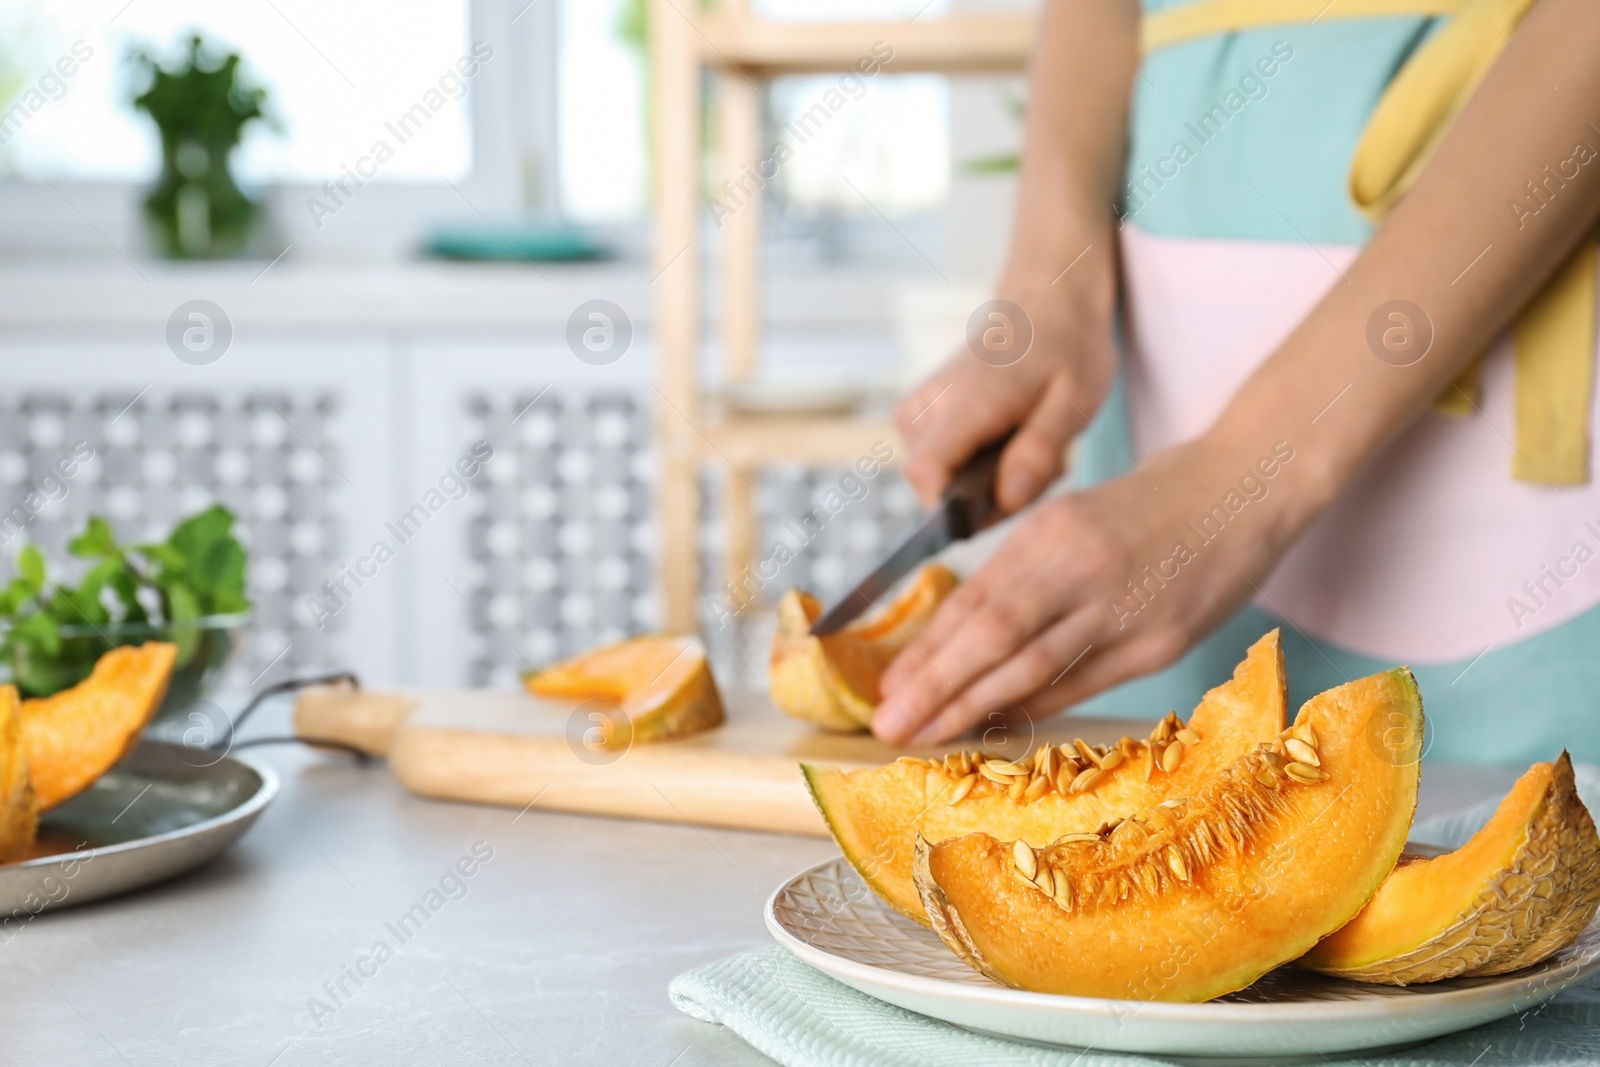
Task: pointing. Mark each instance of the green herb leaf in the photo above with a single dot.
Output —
(38, 629)
(96, 540)
(30, 564)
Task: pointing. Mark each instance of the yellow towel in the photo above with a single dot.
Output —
(1554, 336)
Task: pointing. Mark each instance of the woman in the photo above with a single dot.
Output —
(1317, 442)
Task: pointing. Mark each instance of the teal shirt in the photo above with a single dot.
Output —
(1272, 165)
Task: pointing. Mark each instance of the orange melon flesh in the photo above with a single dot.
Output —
(1524, 886)
(876, 814)
(1202, 896)
(19, 817)
(832, 681)
(76, 735)
(661, 684)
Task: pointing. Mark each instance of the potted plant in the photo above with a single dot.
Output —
(201, 107)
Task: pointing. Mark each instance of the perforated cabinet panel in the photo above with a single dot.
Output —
(556, 550)
(269, 455)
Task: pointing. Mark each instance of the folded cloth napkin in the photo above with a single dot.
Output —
(800, 1017)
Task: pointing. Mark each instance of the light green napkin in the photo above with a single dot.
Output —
(800, 1017)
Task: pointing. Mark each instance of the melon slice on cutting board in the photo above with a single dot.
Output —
(661, 685)
(832, 681)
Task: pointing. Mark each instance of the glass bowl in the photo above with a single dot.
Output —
(204, 648)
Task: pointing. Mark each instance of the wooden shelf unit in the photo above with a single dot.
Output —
(743, 51)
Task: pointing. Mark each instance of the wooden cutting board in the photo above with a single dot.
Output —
(509, 748)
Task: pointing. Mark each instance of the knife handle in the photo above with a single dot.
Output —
(969, 497)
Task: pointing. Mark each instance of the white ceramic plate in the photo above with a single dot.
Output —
(829, 918)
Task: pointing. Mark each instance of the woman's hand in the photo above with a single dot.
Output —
(1048, 395)
(1061, 269)
(1100, 586)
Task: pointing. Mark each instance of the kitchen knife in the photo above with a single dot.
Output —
(966, 507)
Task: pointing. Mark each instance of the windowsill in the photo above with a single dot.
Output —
(110, 294)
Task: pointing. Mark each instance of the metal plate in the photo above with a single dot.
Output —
(829, 918)
(165, 809)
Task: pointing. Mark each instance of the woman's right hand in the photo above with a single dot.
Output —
(1048, 395)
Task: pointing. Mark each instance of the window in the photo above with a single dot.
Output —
(887, 148)
(601, 100)
(336, 74)
(555, 121)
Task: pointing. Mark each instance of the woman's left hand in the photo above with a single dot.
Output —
(1097, 587)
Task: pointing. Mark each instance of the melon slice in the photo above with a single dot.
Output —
(876, 814)
(662, 686)
(832, 681)
(1199, 896)
(1526, 885)
(19, 817)
(76, 735)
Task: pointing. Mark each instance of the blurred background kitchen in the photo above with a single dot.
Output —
(300, 258)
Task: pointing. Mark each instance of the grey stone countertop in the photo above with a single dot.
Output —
(556, 950)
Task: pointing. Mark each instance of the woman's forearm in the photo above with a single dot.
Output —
(1078, 105)
(1454, 247)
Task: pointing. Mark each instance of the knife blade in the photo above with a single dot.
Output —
(966, 506)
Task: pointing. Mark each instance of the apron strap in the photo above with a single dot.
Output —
(1207, 18)
(1554, 336)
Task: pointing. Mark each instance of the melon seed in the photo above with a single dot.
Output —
(1188, 736)
(1002, 767)
(1063, 892)
(988, 771)
(1172, 757)
(1064, 778)
(962, 788)
(1265, 776)
(1024, 858)
(1068, 839)
(1304, 732)
(1087, 752)
(1113, 758)
(1176, 865)
(1302, 752)
(1305, 774)
(1087, 779)
(1275, 761)
(1036, 789)
(1046, 881)
(1018, 785)
(1151, 758)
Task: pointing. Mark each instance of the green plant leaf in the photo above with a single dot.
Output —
(95, 541)
(76, 607)
(30, 565)
(126, 587)
(38, 629)
(183, 606)
(165, 555)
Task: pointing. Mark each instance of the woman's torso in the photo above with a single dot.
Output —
(1236, 221)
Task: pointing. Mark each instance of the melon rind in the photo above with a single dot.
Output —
(1525, 886)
